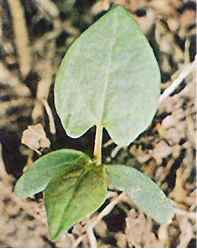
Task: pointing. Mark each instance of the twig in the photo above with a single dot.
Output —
(92, 223)
(106, 210)
(116, 150)
(21, 36)
(48, 7)
(78, 241)
(184, 73)
(190, 215)
(92, 238)
(50, 116)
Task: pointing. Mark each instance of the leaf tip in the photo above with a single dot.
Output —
(166, 216)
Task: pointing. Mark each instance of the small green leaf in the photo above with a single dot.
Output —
(109, 77)
(70, 197)
(142, 190)
(38, 175)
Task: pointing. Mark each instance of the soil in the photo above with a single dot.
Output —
(34, 37)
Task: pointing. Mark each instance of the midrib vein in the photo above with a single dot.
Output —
(108, 75)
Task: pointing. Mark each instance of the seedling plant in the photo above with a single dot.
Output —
(109, 78)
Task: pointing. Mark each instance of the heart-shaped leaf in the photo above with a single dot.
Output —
(109, 77)
(70, 197)
(142, 190)
(38, 175)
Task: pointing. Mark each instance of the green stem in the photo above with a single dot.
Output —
(98, 144)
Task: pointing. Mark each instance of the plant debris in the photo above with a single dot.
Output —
(166, 151)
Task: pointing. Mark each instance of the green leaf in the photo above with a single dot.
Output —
(109, 77)
(70, 197)
(38, 175)
(142, 190)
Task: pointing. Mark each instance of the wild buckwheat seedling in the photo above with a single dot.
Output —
(109, 78)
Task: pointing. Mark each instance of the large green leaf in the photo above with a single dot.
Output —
(142, 190)
(109, 77)
(70, 197)
(39, 174)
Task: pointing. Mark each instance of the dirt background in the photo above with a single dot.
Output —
(34, 36)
